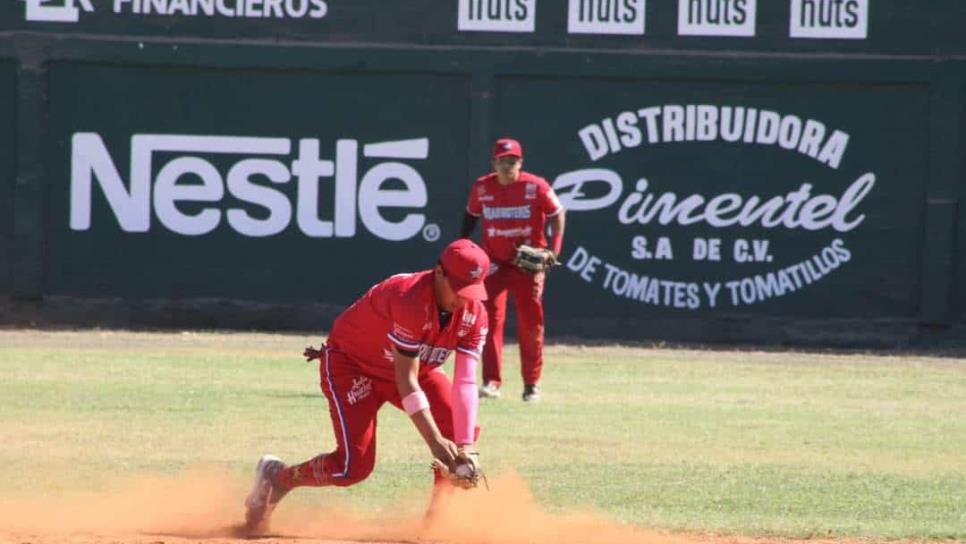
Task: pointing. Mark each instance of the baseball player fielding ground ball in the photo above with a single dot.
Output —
(515, 207)
(388, 347)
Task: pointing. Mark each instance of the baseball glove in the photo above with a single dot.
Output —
(467, 474)
(311, 353)
(534, 259)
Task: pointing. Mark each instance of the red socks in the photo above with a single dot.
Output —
(310, 473)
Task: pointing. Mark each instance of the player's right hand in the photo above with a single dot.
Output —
(446, 452)
(465, 472)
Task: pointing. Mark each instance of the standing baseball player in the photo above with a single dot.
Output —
(388, 347)
(515, 207)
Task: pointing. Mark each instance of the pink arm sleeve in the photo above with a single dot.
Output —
(465, 398)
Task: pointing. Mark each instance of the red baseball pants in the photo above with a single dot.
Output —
(354, 400)
(527, 291)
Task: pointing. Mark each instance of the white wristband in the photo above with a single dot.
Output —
(415, 402)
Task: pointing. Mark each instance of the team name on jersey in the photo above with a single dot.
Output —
(506, 212)
(431, 355)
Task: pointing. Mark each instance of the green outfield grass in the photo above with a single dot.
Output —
(724, 442)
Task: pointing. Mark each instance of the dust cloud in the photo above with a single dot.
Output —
(206, 505)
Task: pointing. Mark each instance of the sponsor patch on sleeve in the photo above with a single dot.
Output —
(403, 337)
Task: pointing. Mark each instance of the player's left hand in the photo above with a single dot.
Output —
(534, 259)
(552, 259)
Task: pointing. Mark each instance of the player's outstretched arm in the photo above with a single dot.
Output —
(416, 406)
(469, 224)
(466, 399)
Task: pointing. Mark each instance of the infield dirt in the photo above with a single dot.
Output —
(203, 506)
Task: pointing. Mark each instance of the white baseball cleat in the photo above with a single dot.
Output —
(265, 493)
(490, 391)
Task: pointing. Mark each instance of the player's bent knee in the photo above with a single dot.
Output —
(352, 478)
(357, 473)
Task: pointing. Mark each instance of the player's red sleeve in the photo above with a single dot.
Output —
(473, 205)
(549, 203)
(406, 331)
(472, 343)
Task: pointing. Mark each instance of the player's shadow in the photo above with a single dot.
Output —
(237, 531)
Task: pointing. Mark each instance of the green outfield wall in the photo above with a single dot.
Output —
(8, 146)
(734, 171)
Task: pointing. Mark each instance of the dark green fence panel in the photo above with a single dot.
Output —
(281, 186)
(8, 145)
(960, 279)
(740, 170)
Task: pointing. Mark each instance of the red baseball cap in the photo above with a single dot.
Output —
(507, 147)
(466, 266)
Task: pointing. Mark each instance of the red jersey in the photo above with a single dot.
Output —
(512, 214)
(402, 311)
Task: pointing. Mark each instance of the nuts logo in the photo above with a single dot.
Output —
(606, 17)
(716, 17)
(497, 15)
(834, 19)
